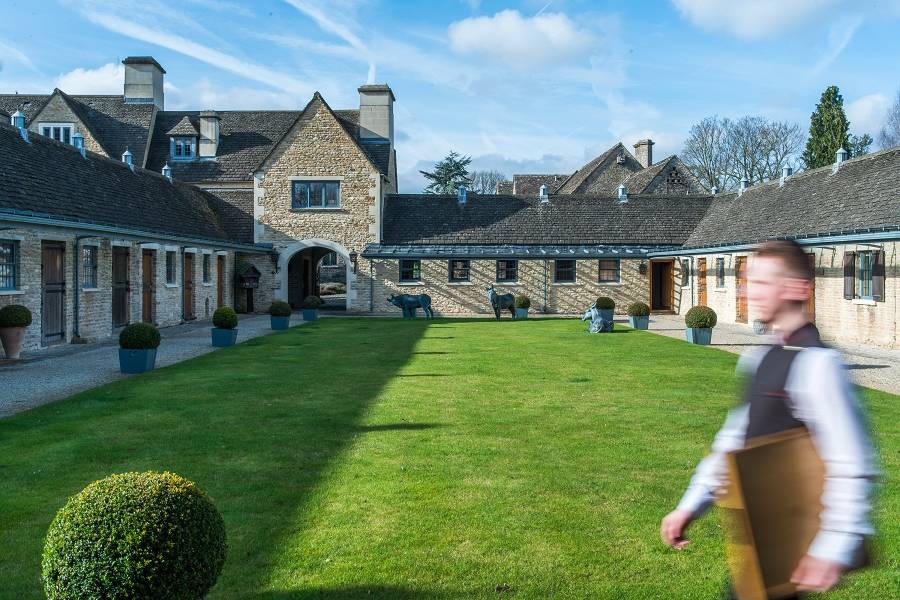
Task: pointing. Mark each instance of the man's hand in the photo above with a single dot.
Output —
(814, 575)
(674, 526)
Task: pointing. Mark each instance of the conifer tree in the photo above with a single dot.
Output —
(448, 174)
(828, 130)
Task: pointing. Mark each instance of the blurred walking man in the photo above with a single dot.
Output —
(797, 382)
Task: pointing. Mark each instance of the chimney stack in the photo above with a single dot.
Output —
(376, 113)
(209, 133)
(839, 157)
(643, 151)
(144, 81)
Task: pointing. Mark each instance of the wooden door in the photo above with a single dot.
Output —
(148, 290)
(811, 303)
(701, 281)
(220, 281)
(740, 281)
(662, 285)
(53, 292)
(121, 286)
(188, 287)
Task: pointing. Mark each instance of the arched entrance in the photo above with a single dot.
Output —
(316, 267)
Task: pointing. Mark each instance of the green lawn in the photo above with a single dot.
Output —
(361, 458)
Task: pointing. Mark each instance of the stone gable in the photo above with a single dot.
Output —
(58, 111)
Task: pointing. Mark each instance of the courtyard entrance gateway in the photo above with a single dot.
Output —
(53, 292)
(317, 271)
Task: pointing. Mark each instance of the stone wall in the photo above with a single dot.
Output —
(318, 149)
(850, 321)
(56, 111)
(535, 281)
(95, 303)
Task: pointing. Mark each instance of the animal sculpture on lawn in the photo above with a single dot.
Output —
(597, 323)
(500, 302)
(409, 303)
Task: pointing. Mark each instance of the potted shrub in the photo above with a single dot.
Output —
(13, 321)
(700, 320)
(135, 535)
(522, 304)
(137, 348)
(607, 308)
(224, 331)
(639, 315)
(280, 315)
(310, 307)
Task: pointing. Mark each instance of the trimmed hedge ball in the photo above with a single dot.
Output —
(225, 318)
(280, 308)
(15, 315)
(135, 535)
(605, 303)
(312, 302)
(700, 317)
(522, 301)
(638, 309)
(139, 336)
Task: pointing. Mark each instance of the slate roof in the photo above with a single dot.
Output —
(505, 187)
(46, 177)
(651, 179)
(531, 184)
(246, 139)
(115, 124)
(378, 152)
(863, 195)
(235, 211)
(603, 174)
(423, 219)
(183, 127)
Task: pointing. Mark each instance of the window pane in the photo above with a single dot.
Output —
(170, 267)
(459, 270)
(316, 194)
(410, 270)
(56, 135)
(7, 266)
(565, 271)
(46, 132)
(609, 270)
(332, 194)
(67, 135)
(507, 270)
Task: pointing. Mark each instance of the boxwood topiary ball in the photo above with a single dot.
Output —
(139, 336)
(522, 301)
(225, 318)
(638, 309)
(312, 302)
(15, 315)
(280, 308)
(605, 303)
(700, 317)
(135, 535)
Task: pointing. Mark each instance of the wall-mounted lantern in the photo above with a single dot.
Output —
(642, 268)
(354, 257)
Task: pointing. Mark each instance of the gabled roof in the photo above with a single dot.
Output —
(649, 180)
(45, 177)
(592, 174)
(416, 219)
(246, 139)
(531, 184)
(864, 194)
(184, 127)
(29, 104)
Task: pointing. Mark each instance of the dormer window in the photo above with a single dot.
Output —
(184, 148)
(61, 132)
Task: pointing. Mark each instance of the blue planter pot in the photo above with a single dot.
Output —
(136, 361)
(310, 314)
(223, 337)
(521, 313)
(607, 313)
(639, 322)
(280, 323)
(699, 335)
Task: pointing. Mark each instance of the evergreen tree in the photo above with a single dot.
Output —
(859, 144)
(448, 174)
(828, 130)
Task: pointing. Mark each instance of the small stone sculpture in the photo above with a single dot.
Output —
(597, 323)
(408, 303)
(501, 302)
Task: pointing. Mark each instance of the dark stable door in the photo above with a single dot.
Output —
(53, 293)
(120, 286)
(701, 281)
(220, 281)
(147, 289)
(188, 299)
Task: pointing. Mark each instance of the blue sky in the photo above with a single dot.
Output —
(530, 86)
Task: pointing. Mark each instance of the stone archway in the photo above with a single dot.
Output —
(297, 267)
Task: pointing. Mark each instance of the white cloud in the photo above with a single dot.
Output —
(8, 50)
(839, 36)
(521, 42)
(753, 20)
(106, 79)
(324, 17)
(867, 114)
(206, 94)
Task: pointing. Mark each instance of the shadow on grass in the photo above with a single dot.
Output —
(257, 426)
(352, 593)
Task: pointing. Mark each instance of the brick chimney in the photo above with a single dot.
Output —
(144, 81)
(643, 152)
(376, 113)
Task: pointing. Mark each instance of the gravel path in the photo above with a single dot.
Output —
(870, 367)
(46, 376)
